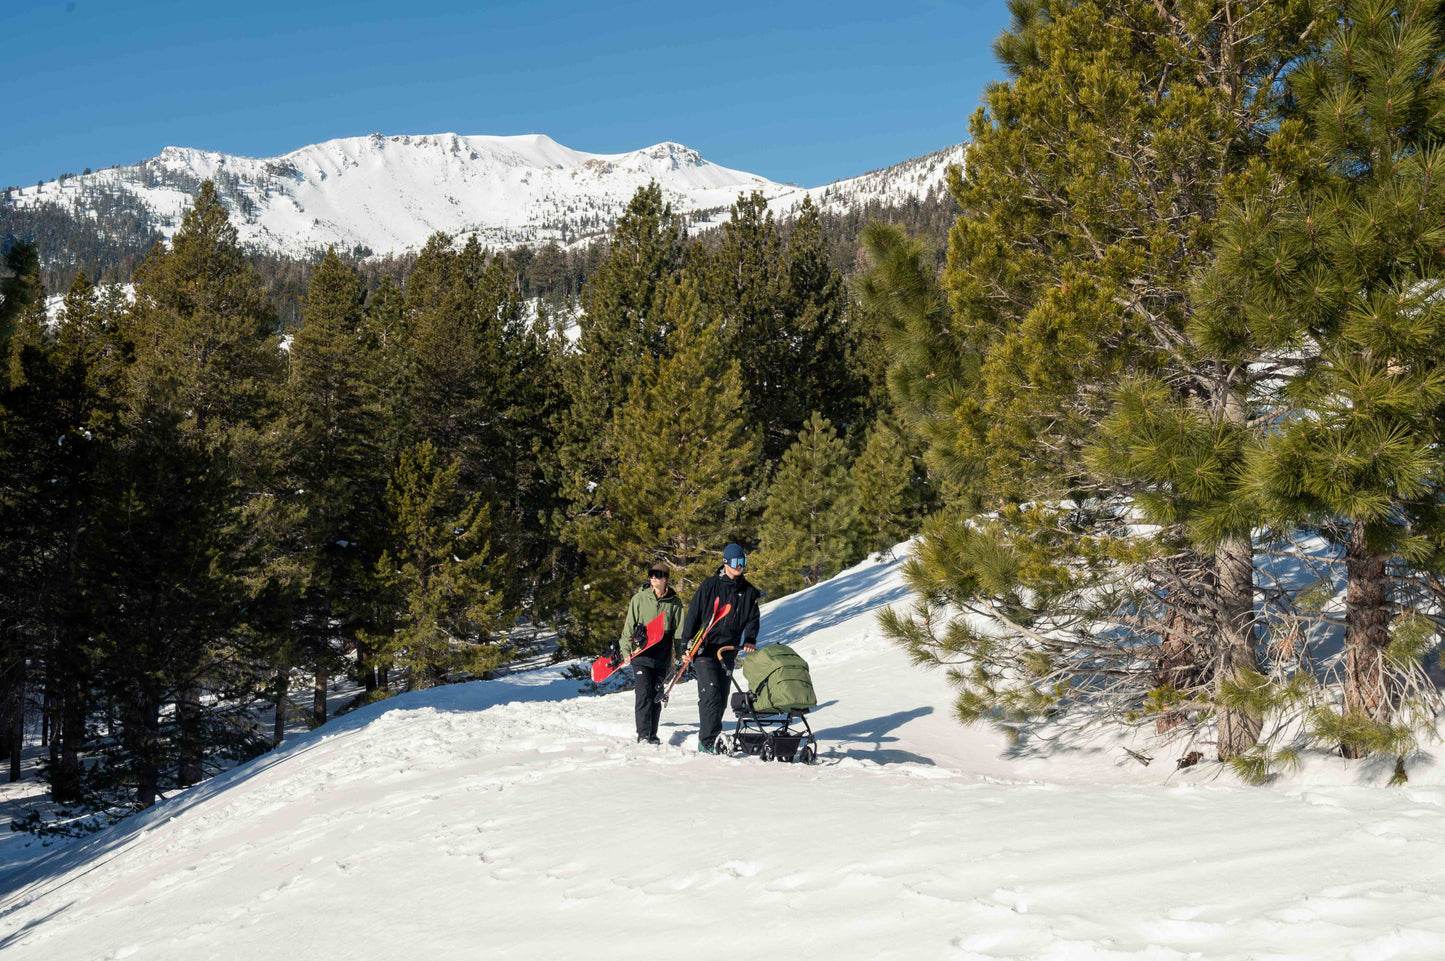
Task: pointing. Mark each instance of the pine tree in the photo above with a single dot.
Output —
(386, 337)
(893, 490)
(621, 329)
(27, 450)
(1093, 185)
(682, 454)
(824, 338)
(621, 333)
(206, 354)
(783, 313)
(205, 334)
(932, 370)
(440, 578)
(810, 524)
(1330, 260)
(479, 386)
(168, 552)
(21, 287)
(56, 415)
(335, 434)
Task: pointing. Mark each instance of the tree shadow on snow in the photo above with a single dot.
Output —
(876, 731)
(20, 934)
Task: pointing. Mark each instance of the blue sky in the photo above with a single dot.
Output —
(795, 91)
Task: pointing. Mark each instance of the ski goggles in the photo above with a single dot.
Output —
(736, 563)
(660, 575)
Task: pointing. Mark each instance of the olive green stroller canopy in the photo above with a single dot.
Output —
(778, 678)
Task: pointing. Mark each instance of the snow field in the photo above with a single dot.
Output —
(512, 819)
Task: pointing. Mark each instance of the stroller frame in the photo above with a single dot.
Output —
(772, 737)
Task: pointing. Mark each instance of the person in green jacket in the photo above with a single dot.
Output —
(652, 666)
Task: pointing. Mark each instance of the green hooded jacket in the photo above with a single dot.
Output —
(644, 606)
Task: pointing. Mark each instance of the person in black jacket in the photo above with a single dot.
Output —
(738, 630)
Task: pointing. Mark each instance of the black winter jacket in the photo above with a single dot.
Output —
(741, 624)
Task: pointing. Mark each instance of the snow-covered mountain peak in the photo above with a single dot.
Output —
(388, 193)
(675, 154)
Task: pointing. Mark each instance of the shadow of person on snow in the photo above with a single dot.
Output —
(876, 731)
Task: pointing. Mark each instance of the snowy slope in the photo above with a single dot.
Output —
(512, 819)
(909, 180)
(389, 194)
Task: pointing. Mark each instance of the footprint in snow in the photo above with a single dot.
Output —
(1409, 942)
(742, 869)
(1173, 930)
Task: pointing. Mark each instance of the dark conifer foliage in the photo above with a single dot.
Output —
(479, 385)
(810, 529)
(21, 286)
(782, 307)
(441, 581)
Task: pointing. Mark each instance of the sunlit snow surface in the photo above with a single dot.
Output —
(512, 819)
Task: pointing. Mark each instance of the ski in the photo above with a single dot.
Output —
(696, 645)
(605, 666)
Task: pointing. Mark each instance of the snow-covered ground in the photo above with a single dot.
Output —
(515, 819)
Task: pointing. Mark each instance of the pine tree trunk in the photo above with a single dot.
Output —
(318, 696)
(1234, 564)
(139, 734)
(16, 729)
(368, 668)
(54, 704)
(278, 726)
(188, 715)
(1185, 661)
(1367, 633)
(65, 777)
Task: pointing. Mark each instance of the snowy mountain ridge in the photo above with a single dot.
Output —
(387, 194)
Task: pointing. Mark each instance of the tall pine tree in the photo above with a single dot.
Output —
(440, 580)
(1330, 260)
(207, 362)
(681, 453)
(810, 524)
(1093, 185)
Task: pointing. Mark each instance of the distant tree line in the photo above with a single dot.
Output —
(110, 239)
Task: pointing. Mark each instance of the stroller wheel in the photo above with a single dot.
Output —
(767, 753)
(723, 745)
(806, 755)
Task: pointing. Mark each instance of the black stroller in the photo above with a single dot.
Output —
(772, 718)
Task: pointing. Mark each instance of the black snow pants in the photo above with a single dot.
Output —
(712, 692)
(650, 678)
